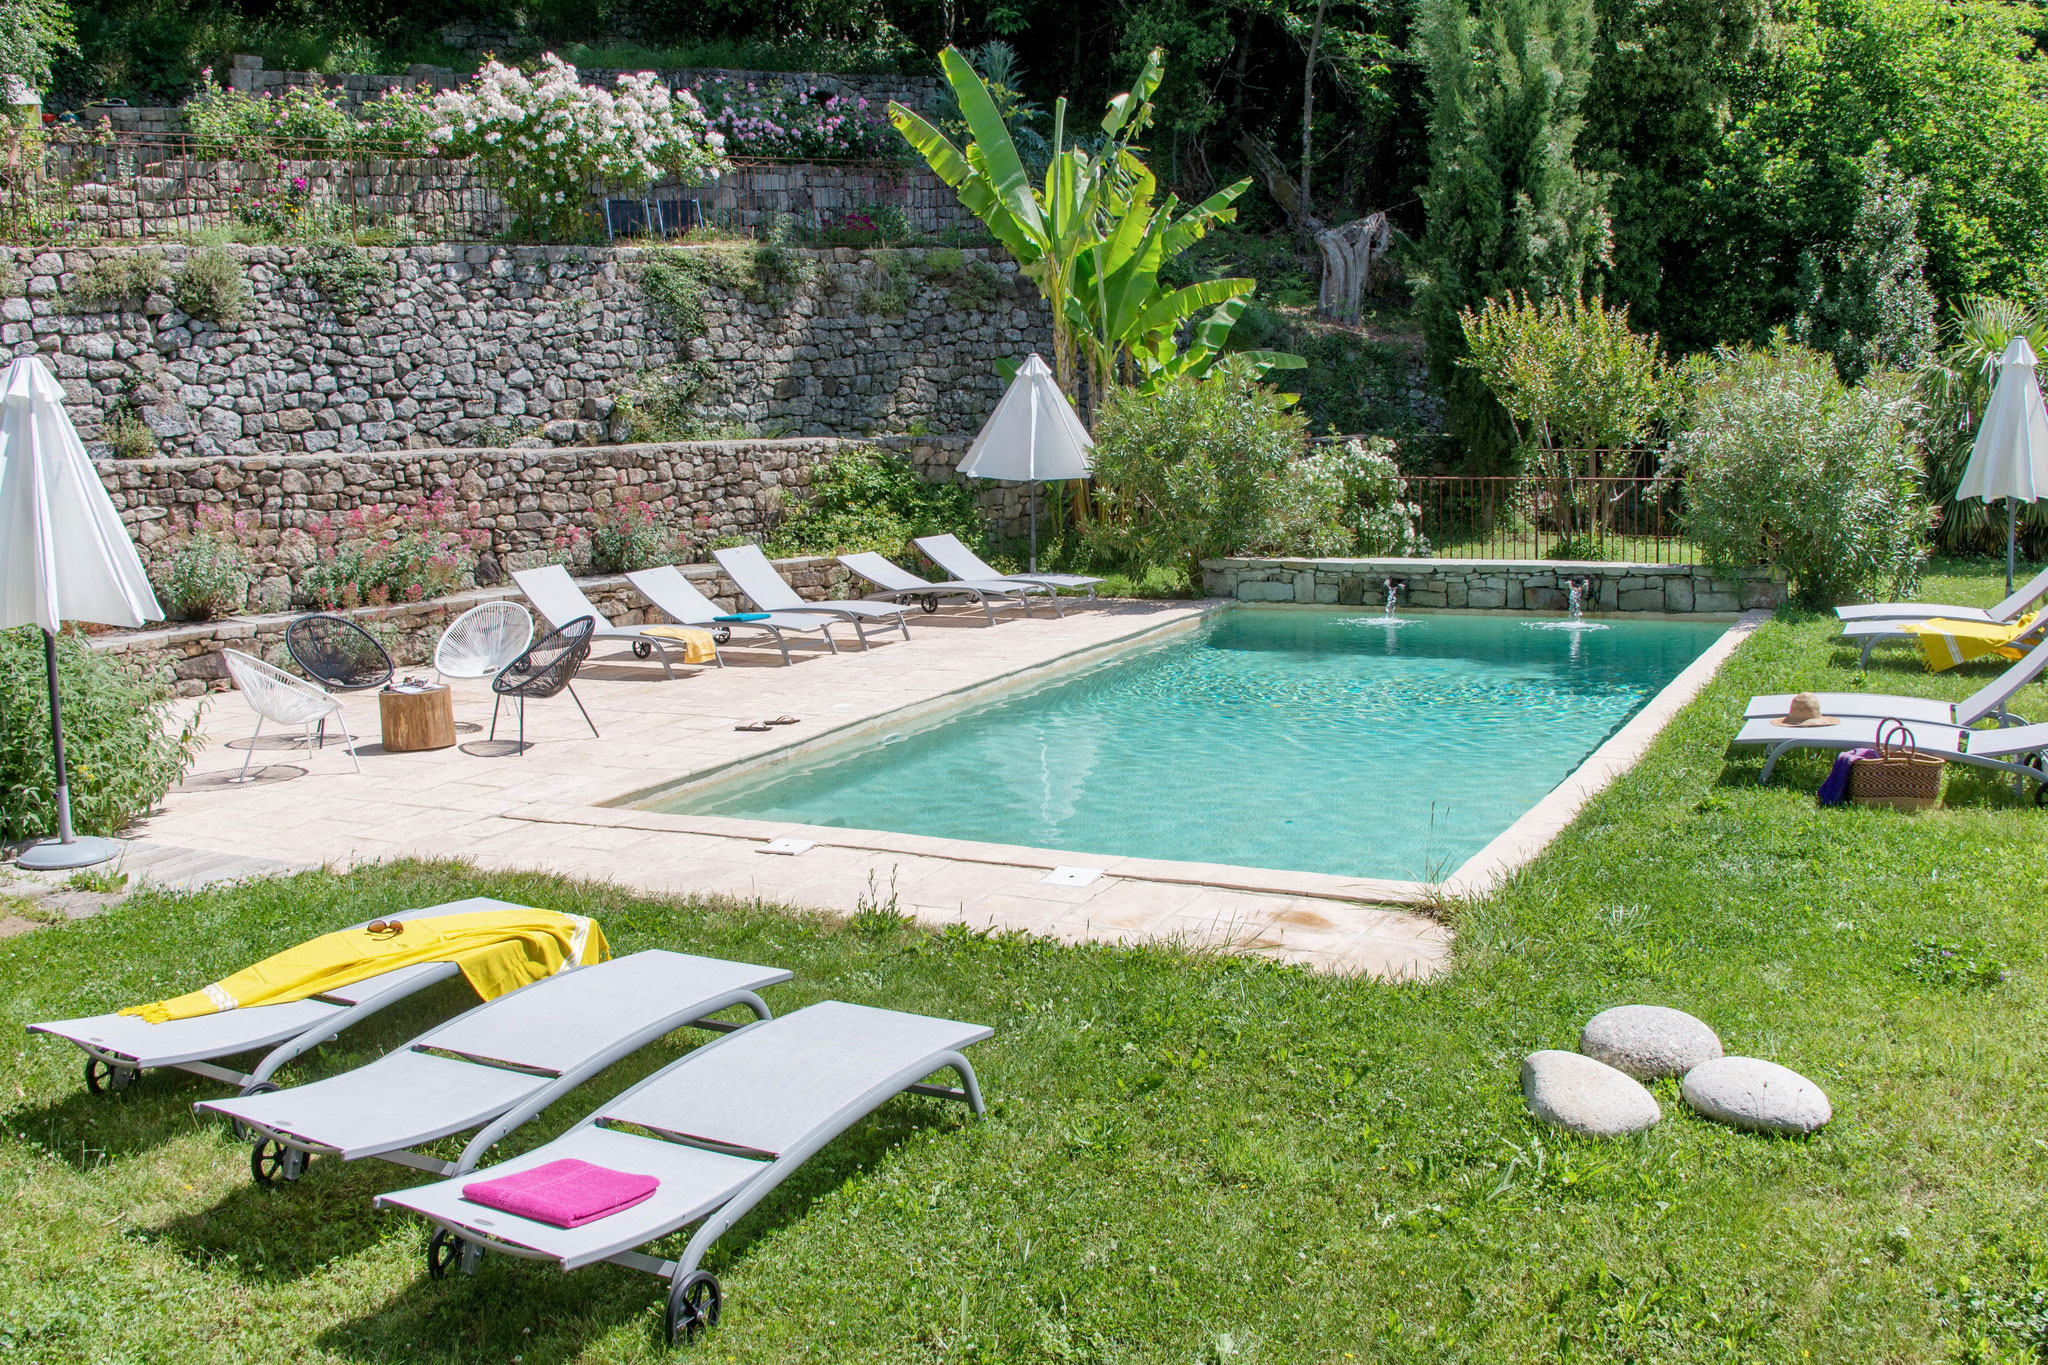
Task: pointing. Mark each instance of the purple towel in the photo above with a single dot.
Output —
(1835, 790)
(566, 1193)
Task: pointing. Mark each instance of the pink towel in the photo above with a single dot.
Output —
(566, 1193)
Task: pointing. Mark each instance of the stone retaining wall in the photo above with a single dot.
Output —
(527, 500)
(1507, 584)
(187, 656)
(503, 345)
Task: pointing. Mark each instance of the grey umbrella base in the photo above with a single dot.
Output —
(54, 855)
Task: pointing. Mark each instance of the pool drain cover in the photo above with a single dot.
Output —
(1070, 876)
(788, 847)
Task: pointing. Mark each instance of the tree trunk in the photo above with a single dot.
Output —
(1278, 182)
(1308, 113)
(1348, 254)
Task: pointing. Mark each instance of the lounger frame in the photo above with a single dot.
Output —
(658, 588)
(761, 583)
(108, 1068)
(558, 588)
(2023, 759)
(908, 587)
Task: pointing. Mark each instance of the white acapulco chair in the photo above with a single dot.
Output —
(277, 696)
(481, 641)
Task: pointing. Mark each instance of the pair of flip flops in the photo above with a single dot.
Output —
(768, 724)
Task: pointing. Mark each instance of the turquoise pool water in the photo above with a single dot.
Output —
(1307, 740)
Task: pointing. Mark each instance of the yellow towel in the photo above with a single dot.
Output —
(1945, 643)
(697, 644)
(497, 950)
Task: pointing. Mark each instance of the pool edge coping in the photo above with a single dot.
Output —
(1513, 848)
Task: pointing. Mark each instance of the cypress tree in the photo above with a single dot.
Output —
(1508, 208)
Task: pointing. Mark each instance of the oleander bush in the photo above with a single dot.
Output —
(122, 751)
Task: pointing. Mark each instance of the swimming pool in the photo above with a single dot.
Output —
(1304, 740)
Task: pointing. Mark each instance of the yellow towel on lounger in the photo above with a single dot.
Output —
(1945, 643)
(497, 950)
(697, 644)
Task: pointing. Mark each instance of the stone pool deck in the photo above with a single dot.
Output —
(546, 809)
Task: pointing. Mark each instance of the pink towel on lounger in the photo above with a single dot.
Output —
(567, 1193)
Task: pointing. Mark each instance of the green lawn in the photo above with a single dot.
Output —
(1196, 1159)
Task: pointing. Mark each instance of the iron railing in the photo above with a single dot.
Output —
(1635, 519)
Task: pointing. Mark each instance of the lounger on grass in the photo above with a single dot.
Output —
(757, 580)
(719, 1129)
(2030, 592)
(1992, 701)
(1868, 635)
(956, 559)
(556, 597)
(2017, 750)
(118, 1047)
(679, 600)
(495, 1066)
(899, 584)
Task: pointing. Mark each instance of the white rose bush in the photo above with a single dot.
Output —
(546, 138)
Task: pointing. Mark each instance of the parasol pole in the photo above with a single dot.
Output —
(64, 834)
(2011, 539)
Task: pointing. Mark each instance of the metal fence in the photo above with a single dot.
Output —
(1636, 519)
(131, 186)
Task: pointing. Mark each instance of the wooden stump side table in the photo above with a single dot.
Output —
(416, 720)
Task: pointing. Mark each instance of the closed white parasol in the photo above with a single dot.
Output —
(2010, 458)
(64, 556)
(1032, 436)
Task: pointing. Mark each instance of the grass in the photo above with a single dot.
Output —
(1197, 1158)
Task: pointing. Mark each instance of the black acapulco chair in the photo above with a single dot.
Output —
(548, 667)
(338, 654)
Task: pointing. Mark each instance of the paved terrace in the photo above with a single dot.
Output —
(545, 809)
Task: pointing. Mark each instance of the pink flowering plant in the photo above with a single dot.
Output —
(634, 533)
(776, 122)
(548, 138)
(202, 569)
(375, 556)
(276, 207)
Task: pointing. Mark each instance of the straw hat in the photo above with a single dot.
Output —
(1803, 712)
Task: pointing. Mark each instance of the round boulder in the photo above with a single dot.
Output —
(1584, 1096)
(1649, 1042)
(1761, 1096)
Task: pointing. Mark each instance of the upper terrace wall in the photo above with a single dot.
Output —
(496, 345)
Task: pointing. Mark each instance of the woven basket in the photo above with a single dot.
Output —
(1900, 776)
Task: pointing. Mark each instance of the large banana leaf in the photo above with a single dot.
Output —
(966, 173)
(1000, 162)
(1133, 101)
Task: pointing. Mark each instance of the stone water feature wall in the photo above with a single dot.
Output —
(525, 345)
(527, 500)
(1507, 584)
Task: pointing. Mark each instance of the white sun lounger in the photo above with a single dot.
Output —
(118, 1047)
(755, 576)
(720, 1129)
(1993, 700)
(2017, 749)
(898, 584)
(679, 600)
(495, 1066)
(955, 558)
(556, 597)
(1868, 635)
(2030, 592)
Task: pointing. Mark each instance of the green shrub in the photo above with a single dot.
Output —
(374, 556)
(632, 533)
(1786, 465)
(889, 289)
(1345, 499)
(204, 571)
(122, 754)
(1192, 470)
(874, 500)
(118, 278)
(211, 286)
(128, 437)
(345, 277)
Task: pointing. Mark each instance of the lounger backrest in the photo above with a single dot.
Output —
(882, 573)
(2030, 591)
(555, 1025)
(676, 595)
(746, 566)
(766, 1088)
(2003, 688)
(555, 595)
(956, 559)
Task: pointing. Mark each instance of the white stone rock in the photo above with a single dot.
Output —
(1585, 1096)
(1649, 1041)
(1764, 1097)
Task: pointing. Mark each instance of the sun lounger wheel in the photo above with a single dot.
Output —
(641, 649)
(930, 603)
(693, 1304)
(444, 1249)
(102, 1076)
(241, 1132)
(271, 1161)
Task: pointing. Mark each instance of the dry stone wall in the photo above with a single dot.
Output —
(524, 345)
(1494, 584)
(530, 502)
